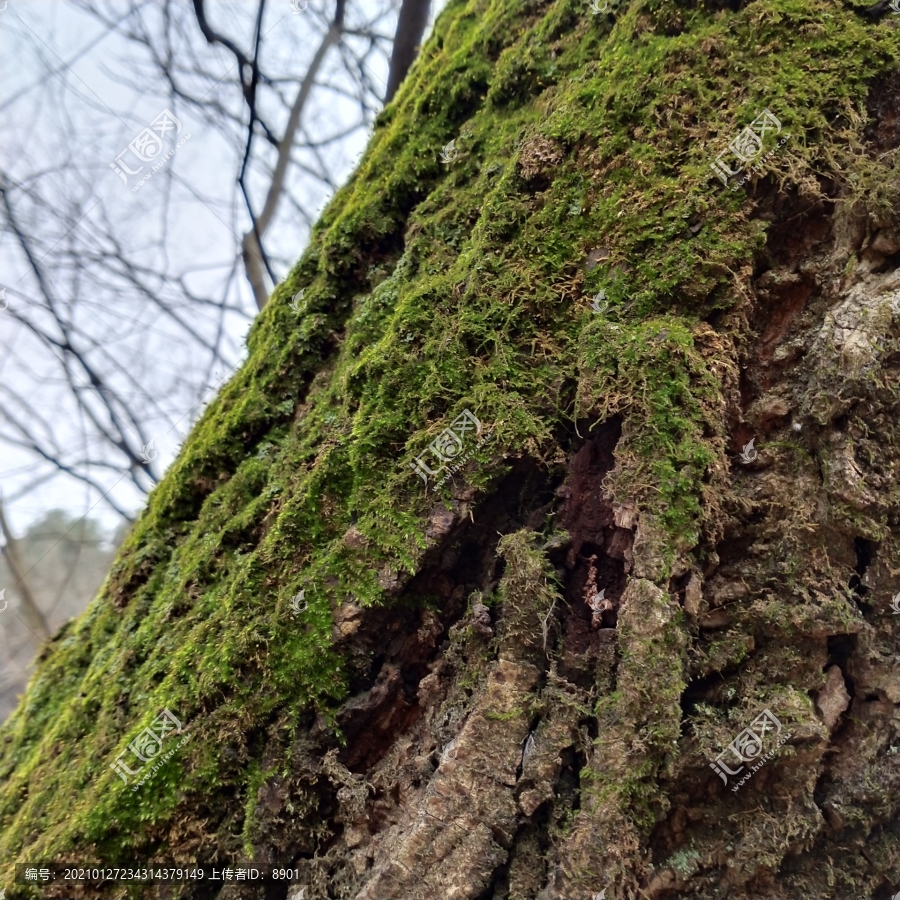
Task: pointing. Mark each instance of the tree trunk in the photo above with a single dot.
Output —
(411, 23)
(546, 548)
(32, 616)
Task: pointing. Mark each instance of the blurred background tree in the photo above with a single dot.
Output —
(66, 558)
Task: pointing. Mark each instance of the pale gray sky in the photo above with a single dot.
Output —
(66, 105)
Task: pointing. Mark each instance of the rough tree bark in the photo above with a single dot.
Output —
(513, 682)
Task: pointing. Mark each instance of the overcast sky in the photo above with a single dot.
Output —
(65, 104)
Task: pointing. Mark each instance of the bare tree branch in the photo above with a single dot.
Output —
(251, 244)
(108, 341)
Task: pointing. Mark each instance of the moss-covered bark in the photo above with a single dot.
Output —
(552, 701)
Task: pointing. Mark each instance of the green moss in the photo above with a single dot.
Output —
(652, 376)
(730, 650)
(640, 722)
(528, 597)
